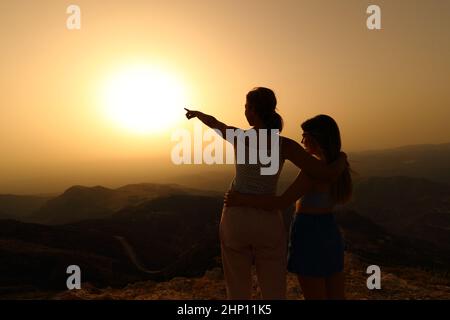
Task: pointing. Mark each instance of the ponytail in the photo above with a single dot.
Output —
(273, 121)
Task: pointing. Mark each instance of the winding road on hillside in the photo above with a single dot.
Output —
(138, 264)
(133, 257)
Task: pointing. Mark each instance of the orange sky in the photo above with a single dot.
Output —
(385, 88)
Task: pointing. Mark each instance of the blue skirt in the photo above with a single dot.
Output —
(316, 246)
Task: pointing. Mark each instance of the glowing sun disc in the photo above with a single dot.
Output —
(143, 99)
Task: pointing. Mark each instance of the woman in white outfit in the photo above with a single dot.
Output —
(256, 236)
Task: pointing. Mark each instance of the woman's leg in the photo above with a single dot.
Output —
(237, 263)
(237, 255)
(271, 273)
(313, 288)
(336, 286)
(270, 245)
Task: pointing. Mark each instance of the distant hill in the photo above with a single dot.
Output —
(165, 229)
(77, 203)
(37, 256)
(179, 236)
(411, 207)
(374, 244)
(81, 203)
(20, 207)
(5, 216)
(174, 235)
(431, 162)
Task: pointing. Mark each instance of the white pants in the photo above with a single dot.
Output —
(248, 236)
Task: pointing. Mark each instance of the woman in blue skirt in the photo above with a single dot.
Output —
(316, 247)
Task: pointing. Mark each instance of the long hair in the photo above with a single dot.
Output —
(325, 132)
(264, 103)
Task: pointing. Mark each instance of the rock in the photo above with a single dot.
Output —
(214, 274)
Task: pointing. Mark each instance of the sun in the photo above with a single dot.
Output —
(143, 99)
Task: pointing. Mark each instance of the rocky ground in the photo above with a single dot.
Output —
(397, 284)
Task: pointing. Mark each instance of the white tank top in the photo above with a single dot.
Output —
(248, 178)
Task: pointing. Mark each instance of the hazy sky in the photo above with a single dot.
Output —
(385, 88)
